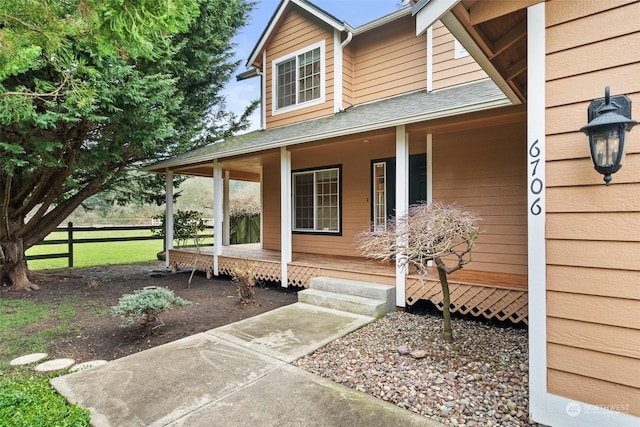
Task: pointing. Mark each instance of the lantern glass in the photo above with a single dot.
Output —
(606, 147)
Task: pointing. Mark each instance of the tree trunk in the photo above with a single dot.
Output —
(447, 331)
(15, 266)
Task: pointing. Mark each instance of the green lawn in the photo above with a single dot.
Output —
(26, 398)
(91, 254)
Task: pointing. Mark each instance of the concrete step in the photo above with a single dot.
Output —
(351, 303)
(357, 288)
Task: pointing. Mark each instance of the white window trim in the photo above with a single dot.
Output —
(315, 229)
(274, 80)
(459, 51)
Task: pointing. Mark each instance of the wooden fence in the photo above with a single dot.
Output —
(71, 240)
(243, 230)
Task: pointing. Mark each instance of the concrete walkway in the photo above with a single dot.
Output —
(236, 375)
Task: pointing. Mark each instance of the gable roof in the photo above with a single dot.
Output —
(400, 110)
(496, 37)
(273, 22)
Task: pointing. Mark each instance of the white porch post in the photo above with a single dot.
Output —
(226, 236)
(402, 204)
(261, 207)
(429, 175)
(168, 218)
(285, 213)
(218, 197)
(429, 168)
(536, 212)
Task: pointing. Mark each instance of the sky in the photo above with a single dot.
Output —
(355, 12)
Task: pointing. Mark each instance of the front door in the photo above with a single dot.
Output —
(383, 187)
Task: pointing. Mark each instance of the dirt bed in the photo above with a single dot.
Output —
(98, 335)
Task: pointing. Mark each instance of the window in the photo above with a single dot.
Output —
(458, 50)
(379, 196)
(299, 79)
(316, 200)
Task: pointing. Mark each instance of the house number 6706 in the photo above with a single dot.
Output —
(536, 185)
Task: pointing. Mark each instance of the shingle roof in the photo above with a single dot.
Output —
(405, 109)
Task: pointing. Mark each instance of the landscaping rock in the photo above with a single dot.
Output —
(481, 379)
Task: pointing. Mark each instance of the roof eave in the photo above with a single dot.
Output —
(309, 7)
(431, 115)
(400, 13)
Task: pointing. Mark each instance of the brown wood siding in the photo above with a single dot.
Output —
(389, 61)
(271, 204)
(448, 71)
(593, 237)
(483, 170)
(355, 158)
(297, 30)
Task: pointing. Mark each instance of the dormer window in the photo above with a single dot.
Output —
(298, 79)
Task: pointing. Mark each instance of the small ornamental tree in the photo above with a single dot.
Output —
(187, 226)
(145, 306)
(436, 232)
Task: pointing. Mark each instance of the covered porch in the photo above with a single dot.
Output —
(464, 145)
(499, 296)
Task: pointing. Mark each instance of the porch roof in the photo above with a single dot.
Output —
(400, 110)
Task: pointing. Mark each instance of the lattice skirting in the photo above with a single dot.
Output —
(263, 270)
(477, 300)
(299, 275)
(204, 262)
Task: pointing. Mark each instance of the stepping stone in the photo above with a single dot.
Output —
(54, 365)
(29, 358)
(87, 365)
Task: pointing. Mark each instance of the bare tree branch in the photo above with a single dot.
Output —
(428, 232)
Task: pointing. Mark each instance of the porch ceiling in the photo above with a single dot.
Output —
(499, 28)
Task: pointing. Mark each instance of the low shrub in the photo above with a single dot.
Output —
(244, 278)
(145, 306)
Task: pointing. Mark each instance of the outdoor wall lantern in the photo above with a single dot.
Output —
(609, 120)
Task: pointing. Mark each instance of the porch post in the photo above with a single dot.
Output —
(261, 207)
(285, 213)
(168, 217)
(429, 168)
(217, 213)
(537, 268)
(226, 236)
(429, 175)
(402, 204)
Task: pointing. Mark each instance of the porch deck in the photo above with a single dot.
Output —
(490, 295)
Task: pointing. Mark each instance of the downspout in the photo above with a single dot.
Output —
(342, 46)
(263, 92)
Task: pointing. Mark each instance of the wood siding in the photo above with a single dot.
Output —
(481, 169)
(355, 158)
(484, 170)
(448, 71)
(593, 242)
(389, 61)
(297, 30)
(271, 203)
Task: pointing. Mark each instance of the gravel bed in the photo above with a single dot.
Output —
(481, 379)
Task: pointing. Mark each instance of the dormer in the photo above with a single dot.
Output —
(296, 58)
(313, 65)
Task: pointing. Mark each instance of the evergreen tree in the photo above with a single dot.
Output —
(91, 89)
